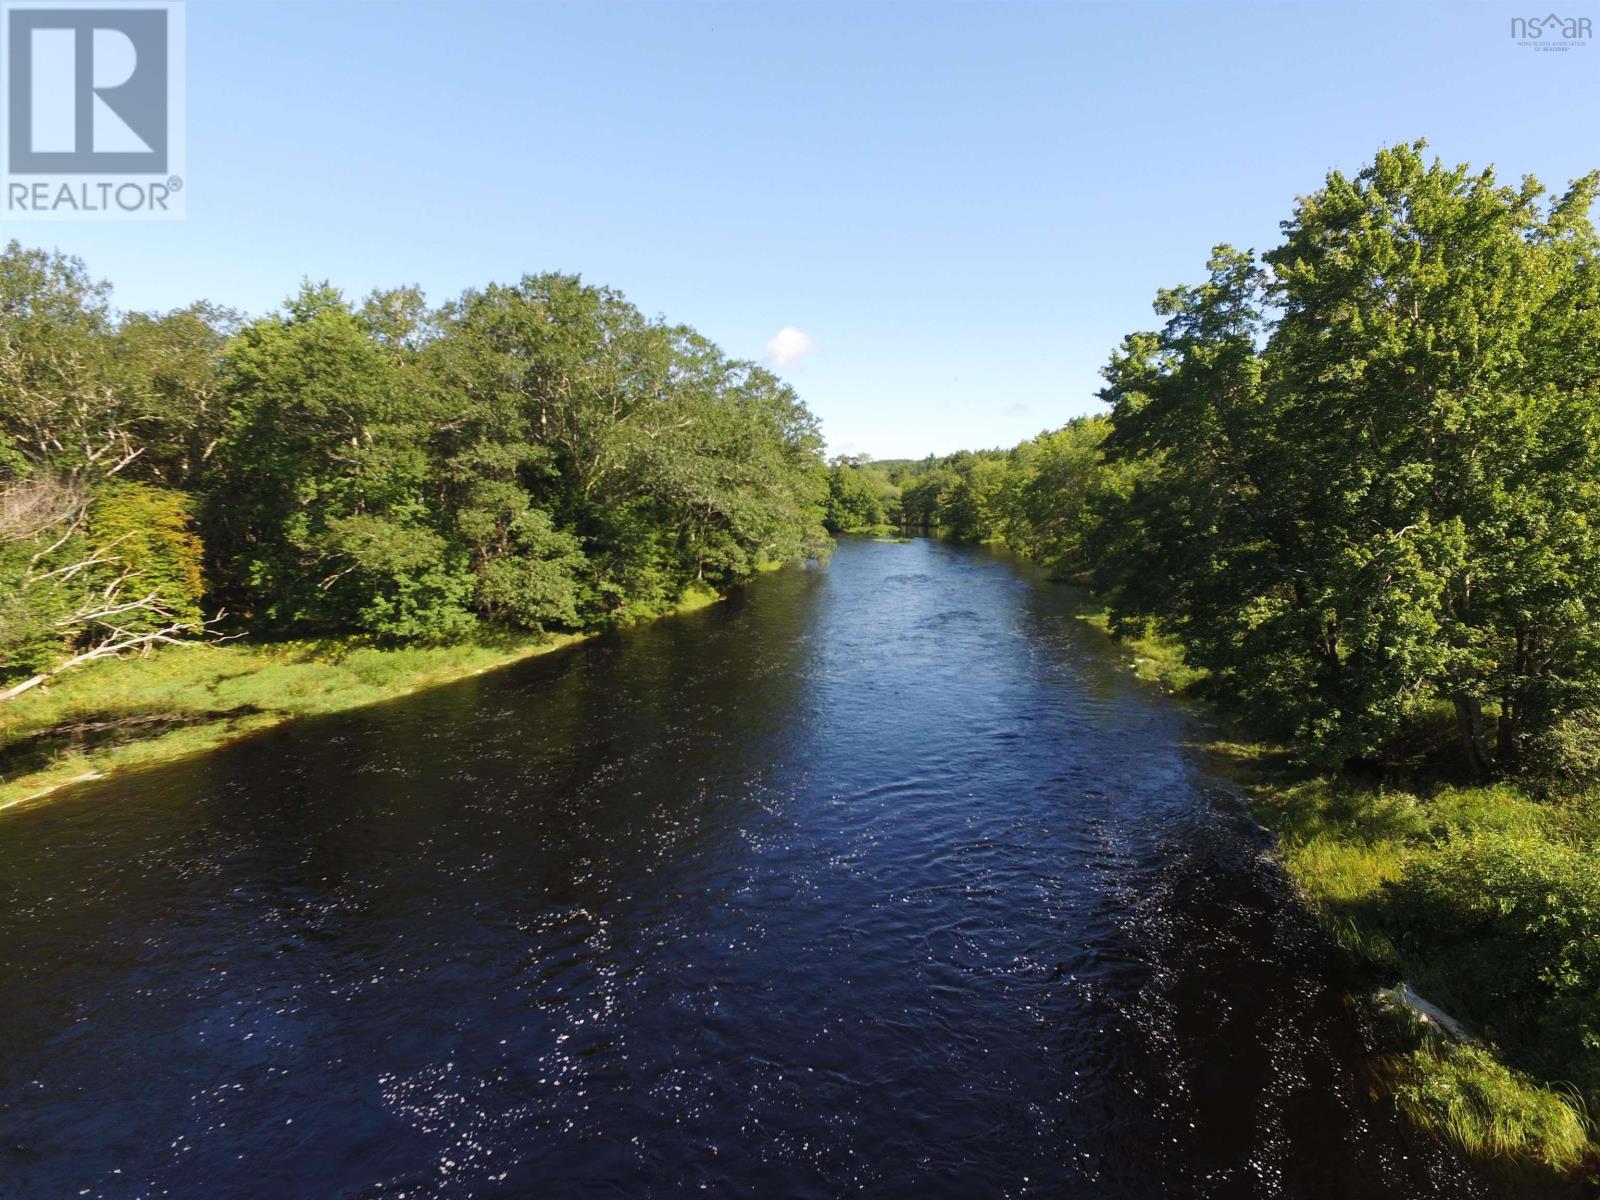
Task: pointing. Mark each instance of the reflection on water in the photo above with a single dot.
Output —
(881, 879)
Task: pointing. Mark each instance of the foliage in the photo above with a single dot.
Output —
(87, 575)
(861, 497)
(55, 334)
(1043, 498)
(596, 463)
(1563, 757)
(1488, 902)
(150, 530)
(171, 366)
(1373, 458)
(538, 456)
(1463, 1093)
(319, 520)
(1156, 658)
(1518, 914)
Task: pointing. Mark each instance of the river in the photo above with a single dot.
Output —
(884, 878)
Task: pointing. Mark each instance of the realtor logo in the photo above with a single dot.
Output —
(94, 111)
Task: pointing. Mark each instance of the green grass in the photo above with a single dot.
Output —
(1352, 852)
(701, 595)
(181, 700)
(184, 699)
(1462, 1093)
(1155, 658)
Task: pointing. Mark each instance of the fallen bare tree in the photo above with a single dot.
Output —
(82, 596)
(117, 641)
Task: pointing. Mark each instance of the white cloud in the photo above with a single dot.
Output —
(787, 347)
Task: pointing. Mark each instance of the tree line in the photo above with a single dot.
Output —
(531, 456)
(1357, 475)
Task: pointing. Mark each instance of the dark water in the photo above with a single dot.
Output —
(882, 879)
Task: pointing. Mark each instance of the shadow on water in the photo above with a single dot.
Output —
(881, 879)
(41, 749)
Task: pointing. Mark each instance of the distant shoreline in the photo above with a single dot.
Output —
(196, 698)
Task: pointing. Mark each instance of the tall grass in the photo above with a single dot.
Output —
(1463, 1093)
(1154, 658)
(1480, 896)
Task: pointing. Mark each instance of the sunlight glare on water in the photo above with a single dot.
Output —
(881, 879)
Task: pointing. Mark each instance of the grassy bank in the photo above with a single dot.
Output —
(137, 711)
(1481, 899)
(1487, 903)
(1156, 660)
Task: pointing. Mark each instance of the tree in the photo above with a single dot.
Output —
(1054, 491)
(321, 519)
(1371, 459)
(169, 367)
(84, 578)
(534, 456)
(1425, 314)
(55, 338)
(613, 459)
(859, 496)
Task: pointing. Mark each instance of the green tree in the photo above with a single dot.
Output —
(321, 520)
(169, 369)
(59, 407)
(1370, 460)
(651, 460)
(1054, 491)
(88, 577)
(860, 497)
(1439, 375)
(149, 532)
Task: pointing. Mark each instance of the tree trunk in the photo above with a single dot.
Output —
(1506, 732)
(1474, 744)
(109, 649)
(12, 693)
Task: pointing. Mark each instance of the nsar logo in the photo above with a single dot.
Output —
(1551, 32)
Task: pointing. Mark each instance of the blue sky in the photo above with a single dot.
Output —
(961, 207)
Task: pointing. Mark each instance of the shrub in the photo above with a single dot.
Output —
(402, 582)
(1519, 915)
(149, 531)
(1563, 758)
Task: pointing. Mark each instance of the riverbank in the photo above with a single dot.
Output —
(1481, 899)
(908, 784)
(138, 711)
